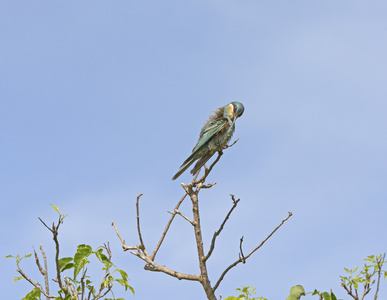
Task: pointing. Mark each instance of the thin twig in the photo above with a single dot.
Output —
(45, 224)
(349, 290)
(55, 237)
(152, 266)
(259, 246)
(138, 222)
(35, 284)
(184, 217)
(167, 228)
(241, 256)
(42, 271)
(83, 284)
(45, 270)
(123, 241)
(380, 263)
(235, 203)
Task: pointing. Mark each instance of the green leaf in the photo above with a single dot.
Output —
(68, 266)
(315, 292)
(348, 271)
(17, 279)
(8, 256)
(326, 296)
(103, 258)
(55, 207)
(33, 295)
(354, 270)
(80, 258)
(333, 297)
(123, 274)
(63, 262)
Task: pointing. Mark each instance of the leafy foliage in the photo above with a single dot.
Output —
(370, 275)
(246, 292)
(79, 285)
(325, 295)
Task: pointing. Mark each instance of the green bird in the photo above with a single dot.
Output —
(296, 292)
(215, 134)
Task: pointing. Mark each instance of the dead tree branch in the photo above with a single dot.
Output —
(191, 190)
(246, 257)
(235, 203)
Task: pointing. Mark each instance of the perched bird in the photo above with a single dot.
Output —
(215, 134)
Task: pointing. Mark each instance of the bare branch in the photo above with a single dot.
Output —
(207, 186)
(259, 246)
(167, 228)
(45, 225)
(35, 284)
(380, 263)
(179, 213)
(45, 269)
(138, 222)
(123, 241)
(152, 266)
(221, 227)
(349, 290)
(55, 237)
(241, 256)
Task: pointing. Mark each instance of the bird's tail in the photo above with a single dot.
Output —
(186, 164)
(201, 163)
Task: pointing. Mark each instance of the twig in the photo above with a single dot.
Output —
(46, 270)
(184, 217)
(152, 266)
(43, 271)
(83, 284)
(55, 237)
(54, 231)
(259, 246)
(167, 228)
(45, 224)
(221, 227)
(138, 222)
(380, 263)
(349, 290)
(37, 284)
(123, 241)
(241, 256)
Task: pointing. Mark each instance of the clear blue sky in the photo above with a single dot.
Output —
(103, 100)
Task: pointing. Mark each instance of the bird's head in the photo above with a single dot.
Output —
(233, 111)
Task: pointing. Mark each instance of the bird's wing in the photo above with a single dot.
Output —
(210, 130)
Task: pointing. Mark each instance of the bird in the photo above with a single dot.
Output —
(214, 136)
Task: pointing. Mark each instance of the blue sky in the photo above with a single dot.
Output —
(103, 100)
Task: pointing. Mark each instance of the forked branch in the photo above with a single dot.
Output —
(244, 258)
(191, 190)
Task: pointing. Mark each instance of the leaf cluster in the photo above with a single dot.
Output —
(246, 292)
(79, 285)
